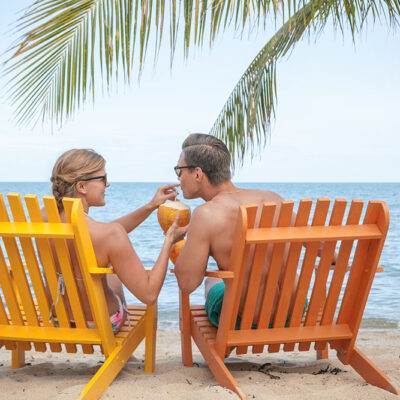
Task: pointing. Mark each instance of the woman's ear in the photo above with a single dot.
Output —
(80, 187)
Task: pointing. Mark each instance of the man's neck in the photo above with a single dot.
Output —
(224, 188)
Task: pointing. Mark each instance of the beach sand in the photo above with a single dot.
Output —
(266, 376)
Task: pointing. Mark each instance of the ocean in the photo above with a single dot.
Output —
(383, 306)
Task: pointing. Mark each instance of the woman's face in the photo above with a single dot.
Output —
(92, 188)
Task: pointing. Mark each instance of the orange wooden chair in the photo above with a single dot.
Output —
(330, 318)
(29, 316)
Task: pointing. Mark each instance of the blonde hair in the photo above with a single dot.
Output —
(70, 167)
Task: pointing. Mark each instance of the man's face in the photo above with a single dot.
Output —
(187, 179)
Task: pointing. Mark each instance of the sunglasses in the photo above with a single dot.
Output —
(92, 178)
(178, 169)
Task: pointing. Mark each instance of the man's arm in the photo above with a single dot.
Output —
(191, 264)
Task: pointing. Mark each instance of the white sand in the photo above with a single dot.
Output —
(289, 375)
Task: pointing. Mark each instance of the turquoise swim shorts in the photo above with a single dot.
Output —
(214, 306)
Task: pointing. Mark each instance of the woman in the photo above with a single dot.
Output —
(81, 173)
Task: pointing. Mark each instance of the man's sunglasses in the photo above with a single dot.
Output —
(92, 178)
(178, 169)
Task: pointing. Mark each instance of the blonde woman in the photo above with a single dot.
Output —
(81, 173)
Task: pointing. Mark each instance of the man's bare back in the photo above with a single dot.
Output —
(220, 217)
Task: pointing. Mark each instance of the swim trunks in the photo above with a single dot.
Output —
(117, 319)
(213, 306)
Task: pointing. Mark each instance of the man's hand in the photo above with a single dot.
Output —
(164, 193)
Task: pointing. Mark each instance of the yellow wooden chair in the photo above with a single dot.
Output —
(330, 318)
(29, 316)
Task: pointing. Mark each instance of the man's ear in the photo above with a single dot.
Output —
(80, 187)
(199, 174)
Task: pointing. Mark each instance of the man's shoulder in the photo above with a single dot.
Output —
(260, 196)
(205, 210)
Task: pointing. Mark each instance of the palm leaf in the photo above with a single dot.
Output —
(244, 122)
(52, 68)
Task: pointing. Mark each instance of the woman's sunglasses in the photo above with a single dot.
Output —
(92, 178)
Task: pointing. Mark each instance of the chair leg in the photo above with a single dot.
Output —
(322, 354)
(17, 358)
(222, 373)
(186, 347)
(367, 369)
(151, 338)
(113, 364)
(184, 324)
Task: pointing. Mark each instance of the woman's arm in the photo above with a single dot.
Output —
(144, 285)
(132, 220)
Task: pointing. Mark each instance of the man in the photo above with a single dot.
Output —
(204, 171)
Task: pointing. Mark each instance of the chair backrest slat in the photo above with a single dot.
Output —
(67, 271)
(18, 271)
(255, 278)
(233, 287)
(289, 275)
(307, 268)
(48, 264)
(9, 293)
(245, 264)
(270, 291)
(20, 281)
(94, 285)
(32, 264)
(363, 269)
(341, 266)
(318, 294)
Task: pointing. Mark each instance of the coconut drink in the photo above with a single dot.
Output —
(176, 250)
(167, 211)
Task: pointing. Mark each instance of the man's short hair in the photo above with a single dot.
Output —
(210, 154)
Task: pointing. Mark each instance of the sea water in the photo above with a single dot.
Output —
(383, 306)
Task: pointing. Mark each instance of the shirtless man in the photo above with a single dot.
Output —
(204, 171)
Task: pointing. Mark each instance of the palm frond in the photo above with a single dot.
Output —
(64, 42)
(53, 67)
(244, 122)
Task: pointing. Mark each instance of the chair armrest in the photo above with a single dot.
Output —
(220, 274)
(215, 274)
(97, 270)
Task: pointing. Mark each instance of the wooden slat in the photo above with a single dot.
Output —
(233, 288)
(290, 272)
(3, 314)
(8, 288)
(9, 293)
(36, 230)
(93, 283)
(364, 264)
(67, 271)
(313, 234)
(32, 263)
(289, 335)
(50, 271)
(340, 270)
(18, 272)
(253, 287)
(274, 270)
(318, 294)
(319, 218)
(50, 334)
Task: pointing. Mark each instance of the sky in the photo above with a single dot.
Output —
(337, 116)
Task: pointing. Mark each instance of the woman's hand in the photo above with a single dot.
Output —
(176, 232)
(164, 193)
